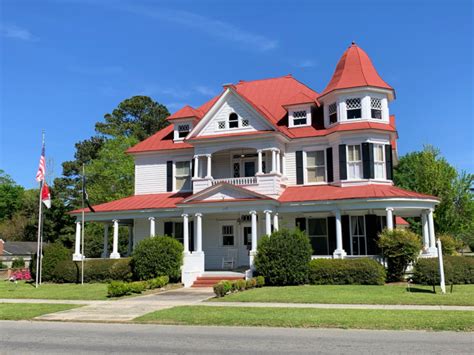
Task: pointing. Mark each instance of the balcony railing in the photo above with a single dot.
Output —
(250, 180)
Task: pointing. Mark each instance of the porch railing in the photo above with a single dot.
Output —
(250, 180)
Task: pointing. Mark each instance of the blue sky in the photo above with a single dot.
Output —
(64, 64)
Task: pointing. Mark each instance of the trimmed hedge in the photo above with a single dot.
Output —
(121, 288)
(18, 263)
(157, 256)
(53, 254)
(283, 258)
(457, 270)
(363, 271)
(224, 287)
(99, 270)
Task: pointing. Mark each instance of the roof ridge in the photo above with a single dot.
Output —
(287, 76)
(361, 66)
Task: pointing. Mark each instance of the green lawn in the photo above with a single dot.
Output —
(18, 311)
(313, 318)
(463, 295)
(94, 291)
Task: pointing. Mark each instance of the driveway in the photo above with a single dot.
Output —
(130, 308)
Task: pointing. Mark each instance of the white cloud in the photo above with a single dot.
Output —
(15, 32)
(211, 27)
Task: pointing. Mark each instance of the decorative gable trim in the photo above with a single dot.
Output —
(220, 191)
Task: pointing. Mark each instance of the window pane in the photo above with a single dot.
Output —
(376, 114)
(320, 158)
(311, 159)
(353, 114)
(182, 168)
(378, 153)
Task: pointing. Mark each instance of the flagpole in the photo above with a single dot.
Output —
(38, 248)
(82, 228)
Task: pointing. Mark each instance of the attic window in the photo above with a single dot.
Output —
(183, 130)
(354, 109)
(376, 108)
(332, 113)
(300, 118)
(233, 120)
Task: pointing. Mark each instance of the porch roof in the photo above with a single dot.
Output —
(329, 192)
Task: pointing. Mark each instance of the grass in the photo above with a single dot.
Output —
(19, 311)
(463, 295)
(313, 318)
(92, 291)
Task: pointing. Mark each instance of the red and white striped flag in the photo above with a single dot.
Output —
(46, 195)
(42, 167)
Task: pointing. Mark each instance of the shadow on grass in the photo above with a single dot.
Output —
(419, 290)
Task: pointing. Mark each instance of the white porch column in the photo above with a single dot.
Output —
(278, 161)
(283, 164)
(389, 218)
(115, 254)
(185, 233)
(253, 215)
(259, 167)
(152, 226)
(268, 222)
(426, 232)
(275, 221)
(77, 245)
(198, 217)
(433, 249)
(209, 166)
(130, 240)
(105, 248)
(274, 160)
(339, 253)
(196, 166)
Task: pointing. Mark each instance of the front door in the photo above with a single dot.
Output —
(358, 236)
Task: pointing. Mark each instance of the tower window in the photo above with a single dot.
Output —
(233, 120)
(332, 113)
(376, 108)
(354, 108)
(300, 118)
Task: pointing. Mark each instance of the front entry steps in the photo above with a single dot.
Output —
(209, 279)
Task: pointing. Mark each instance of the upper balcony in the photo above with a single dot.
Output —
(257, 170)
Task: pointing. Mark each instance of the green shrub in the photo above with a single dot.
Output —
(283, 258)
(118, 289)
(240, 285)
(449, 244)
(363, 271)
(400, 247)
(52, 254)
(157, 282)
(137, 286)
(248, 284)
(260, 281)
(158, 256)
(18, 263)
(219, 289)
(2, 265)
(457, 270)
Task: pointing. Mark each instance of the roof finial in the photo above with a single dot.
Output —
(353, 43)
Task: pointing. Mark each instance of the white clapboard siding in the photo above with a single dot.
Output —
(221, 165)
(234, 104)
(290, 169)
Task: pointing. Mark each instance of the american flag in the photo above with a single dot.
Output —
(42, 167)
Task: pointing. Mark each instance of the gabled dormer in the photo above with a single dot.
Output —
(300, 108)
(184, 120)
(356, 92)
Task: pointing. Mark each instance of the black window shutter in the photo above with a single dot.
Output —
(372, 234)
(389, 161)
(342, 162)
(301, 224)
(299, 168)
(368, 160)
(169, 176)
(346, 234)
(192, 168)
(329, 166)
(169, 229)
(331, 234)
(191, 235)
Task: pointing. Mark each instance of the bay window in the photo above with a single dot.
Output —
(316, 166)
(375, 108)
(354, 108)
(332, 109)
(379, 161)
(354, 162)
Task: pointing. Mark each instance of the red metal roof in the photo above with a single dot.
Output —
(185, 112)
(140, 202)
(355, 69)
(300, 98)
(328, 193)
(399, 221)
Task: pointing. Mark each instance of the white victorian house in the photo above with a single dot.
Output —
(268, 154)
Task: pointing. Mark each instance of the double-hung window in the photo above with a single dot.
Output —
(375, 108)
(358, 237)
(318, 235)
(227, 235)
(233, 120)
(379, 161)
(354, 162)
(354, 108)
(332, 109)
(183, 175)
(300, 118)
(316, 166)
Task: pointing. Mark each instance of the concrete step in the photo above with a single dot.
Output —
(209, 281)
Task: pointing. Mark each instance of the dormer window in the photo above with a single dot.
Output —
(376, 108)
(354, 108)
(332, 108)
(233, 120)
(183, 130)
(300, 118)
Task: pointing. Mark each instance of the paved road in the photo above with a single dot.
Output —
(93, 338)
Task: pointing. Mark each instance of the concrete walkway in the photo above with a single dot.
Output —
(340, 306)
(129, 308)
